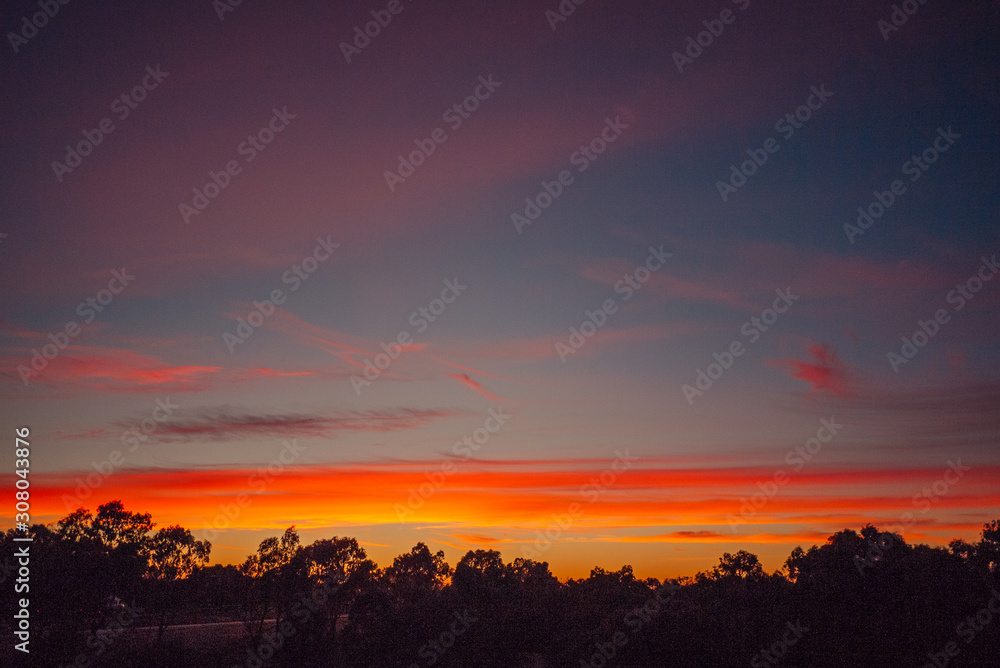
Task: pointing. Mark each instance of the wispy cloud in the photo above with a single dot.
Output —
(926, 417)
(113, 370)
(226, 423)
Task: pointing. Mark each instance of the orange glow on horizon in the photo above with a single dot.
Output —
(496, 504)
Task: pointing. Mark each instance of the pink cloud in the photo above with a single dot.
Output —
(825, 372)
(473, 385)
(665, 286)
(113, 370)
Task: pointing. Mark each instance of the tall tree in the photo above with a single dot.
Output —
(173, 554)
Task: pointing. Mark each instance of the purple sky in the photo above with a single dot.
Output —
(646, 252)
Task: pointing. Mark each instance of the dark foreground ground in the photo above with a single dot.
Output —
(860, 599)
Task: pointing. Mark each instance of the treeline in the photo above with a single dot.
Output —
(108, 590)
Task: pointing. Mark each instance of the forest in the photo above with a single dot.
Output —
(106, 589)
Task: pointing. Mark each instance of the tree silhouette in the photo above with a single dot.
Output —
(740, 566)
(264, 571)
(172, 554)
(417, 574)
(861, 597)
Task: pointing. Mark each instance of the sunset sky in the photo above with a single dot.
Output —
(449, 282)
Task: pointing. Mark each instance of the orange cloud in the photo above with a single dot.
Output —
(718, 537)
(474, 500)
(271, 372)
(476, 539)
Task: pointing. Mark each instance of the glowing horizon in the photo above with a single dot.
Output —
(495, 258)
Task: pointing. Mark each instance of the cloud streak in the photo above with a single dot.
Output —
(227, 423)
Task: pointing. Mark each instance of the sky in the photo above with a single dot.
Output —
(593, 284)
